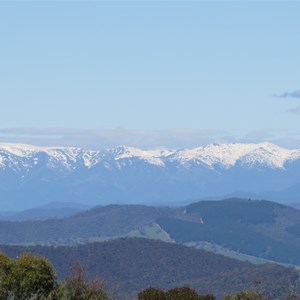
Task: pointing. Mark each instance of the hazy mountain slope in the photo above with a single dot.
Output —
(295, 205)
(42, 214)
(32, 176)
(54, 210)
(134, 264)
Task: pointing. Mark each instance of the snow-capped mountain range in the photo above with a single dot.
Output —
(22, 156)
(31, 175)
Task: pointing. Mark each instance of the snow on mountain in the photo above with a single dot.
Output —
(20, 156)
(154, 157)
(227, 155)
(32, 176)
(221, 155)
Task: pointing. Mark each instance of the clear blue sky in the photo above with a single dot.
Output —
(150, 65)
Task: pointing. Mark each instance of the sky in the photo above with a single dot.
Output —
(149, 73)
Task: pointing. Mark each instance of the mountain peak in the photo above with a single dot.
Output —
(224, 155)
(125, 172)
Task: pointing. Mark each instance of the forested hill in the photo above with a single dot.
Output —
(133, 264)
(258, 228)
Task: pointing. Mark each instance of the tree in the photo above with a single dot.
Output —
(32, 277)
(5, 276)
(181, 293)
(77, 287)
(152, 293)
(207, 297)
(246, 295)
(28, 277)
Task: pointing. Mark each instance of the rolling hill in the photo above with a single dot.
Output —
(260, 229)
(96, 224)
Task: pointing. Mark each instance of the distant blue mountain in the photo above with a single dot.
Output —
(33, 176)
(53, 210)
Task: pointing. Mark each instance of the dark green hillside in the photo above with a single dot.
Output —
(134, 264)
(235, 210)
(259, 228)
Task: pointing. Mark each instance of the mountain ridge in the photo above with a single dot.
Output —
(226, 155)
(32, 176)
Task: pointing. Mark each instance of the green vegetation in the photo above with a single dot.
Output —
(152, 293)
(28, 277)
(187, 293)
(152, 231)
(77, 287)
(247, 295)
(32, 277)
(182, 293)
